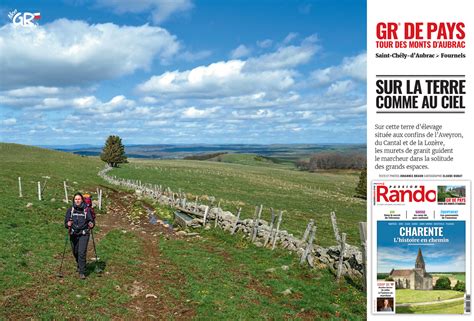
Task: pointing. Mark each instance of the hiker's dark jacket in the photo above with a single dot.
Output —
(80, 216)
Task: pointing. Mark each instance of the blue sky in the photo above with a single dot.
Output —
(184, 71)
(439, 257)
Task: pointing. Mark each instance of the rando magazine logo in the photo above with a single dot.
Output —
(24, 19)
(451, 195)
(403, 193)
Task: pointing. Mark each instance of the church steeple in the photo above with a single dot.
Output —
(420, 262)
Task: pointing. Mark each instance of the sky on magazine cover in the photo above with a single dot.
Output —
(184, 71)
(439, 257)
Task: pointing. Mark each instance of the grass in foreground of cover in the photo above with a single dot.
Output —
(419, 296)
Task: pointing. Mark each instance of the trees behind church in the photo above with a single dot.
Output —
(443, 283)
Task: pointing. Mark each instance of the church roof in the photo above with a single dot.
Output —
(419, 259)
(401, 273)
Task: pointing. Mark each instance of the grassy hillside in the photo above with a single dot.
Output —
(415, 296)
(456, 307)
(35, 237)
(302, 195)
(214, 276)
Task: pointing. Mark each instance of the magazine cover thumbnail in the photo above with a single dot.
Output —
(425, 262)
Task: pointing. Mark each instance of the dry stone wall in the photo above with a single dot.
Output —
(261, 232)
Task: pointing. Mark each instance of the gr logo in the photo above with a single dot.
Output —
(24, 19)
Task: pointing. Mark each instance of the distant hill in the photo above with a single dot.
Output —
(279, 152)
(251, 159)
(68, 147)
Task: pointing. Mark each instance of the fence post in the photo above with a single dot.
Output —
(100, 199)
(45, 182)
(19, 186)
(277, 229)
(218, 211)
(66, 199)
(335, 228)
(205, 216)
(39, 191)
(309, 246)
(183, 202)
(308, 229)
(255, 223)
(234, 228)
(341, 256)
(271, 228)
(363, 240)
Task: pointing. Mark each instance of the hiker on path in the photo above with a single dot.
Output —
(79, 221)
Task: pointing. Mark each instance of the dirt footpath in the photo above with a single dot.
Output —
(150, 297)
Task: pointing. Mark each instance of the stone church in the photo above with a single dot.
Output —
(415, 279)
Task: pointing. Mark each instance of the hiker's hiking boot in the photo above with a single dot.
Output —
(82, 276)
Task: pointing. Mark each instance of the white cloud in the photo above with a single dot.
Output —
(33, 91)
(157, 122)
(8, 121)
(340, 87)
(285, 57)
(259, 114)
(355, 67)
(85, 102)
(160, 10)
(39, 96)
(149, 100)
(91, 104)
(240, 52)
(127, 130)
(265, 43)
(351, 67)
(271, 72)
(18, 101)
(194, 56)
(358, 110)
(324, 119)
(224, 78)
(65, 52)
(290, 37)
(193, 112)
(52, 103)
(117, 102)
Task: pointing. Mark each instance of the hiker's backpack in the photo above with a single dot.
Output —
(88, 201)
(75, 229)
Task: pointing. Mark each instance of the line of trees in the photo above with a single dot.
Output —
(333, 160)
(444, 283)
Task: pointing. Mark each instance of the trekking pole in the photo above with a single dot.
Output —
(60, 273)
(97, 268)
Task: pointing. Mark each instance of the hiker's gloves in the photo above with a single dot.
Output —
(91, 225)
